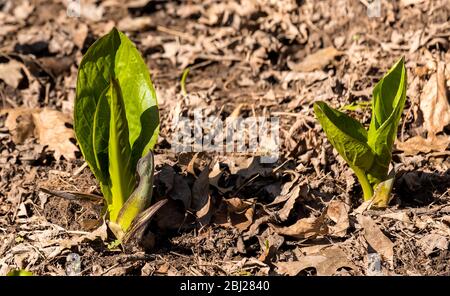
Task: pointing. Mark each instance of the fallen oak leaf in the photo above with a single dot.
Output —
(135, 24)
(292, 196)
(431, 242)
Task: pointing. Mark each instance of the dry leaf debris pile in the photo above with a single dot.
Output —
(230, 214)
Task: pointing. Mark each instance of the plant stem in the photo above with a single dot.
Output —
(365, 184)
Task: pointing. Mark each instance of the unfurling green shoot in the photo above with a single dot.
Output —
(369, 152)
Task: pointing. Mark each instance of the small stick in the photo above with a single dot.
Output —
(80, 169)
(71, 195)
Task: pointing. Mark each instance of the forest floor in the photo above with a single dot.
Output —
(302, 215)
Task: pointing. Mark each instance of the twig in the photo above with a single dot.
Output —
(80, 169)
(70, 195)
(176, 33)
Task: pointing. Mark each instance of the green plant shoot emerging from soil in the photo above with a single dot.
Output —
(116, 122)
(369, 152)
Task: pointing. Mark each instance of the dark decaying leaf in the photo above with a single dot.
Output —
(137, 229)
(200, 190)
(181, 191)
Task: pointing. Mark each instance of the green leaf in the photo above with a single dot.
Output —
(389, 96)
(115, 56)
(100, 140)
(19, 272)
(141, 197)
(346, 134)
(183, 81)
(354, 106)
(119, 151)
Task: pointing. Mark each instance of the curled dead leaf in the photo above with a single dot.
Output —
(304, 228)
(434, 102)
(237, 213)
(376, 238)
(237, 205)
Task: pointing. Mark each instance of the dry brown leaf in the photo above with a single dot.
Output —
(376, 238)
(51, 130)
(418, 144)
(316, 61)
(434, 102)
(201, 200)
(303, 228)
(215, 176)
(269, 243)
(430, 242)
(205, 213)
(200, 190)
(136, 3)
(326, 262)
(242, 221)
(134, 24)
(237, 205)
(80, 34)
(297, 191)
(23, 10)
(247, 167)
(309, 250)
(92, 12)
(11, 73)
(405, 3)
(337, 211)
(238, 214)
(400, 216)
(286, 190)
(49, 127)
(20, 123)
(308, 78)
(181, 191)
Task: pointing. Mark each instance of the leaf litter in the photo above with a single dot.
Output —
(238, 217)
